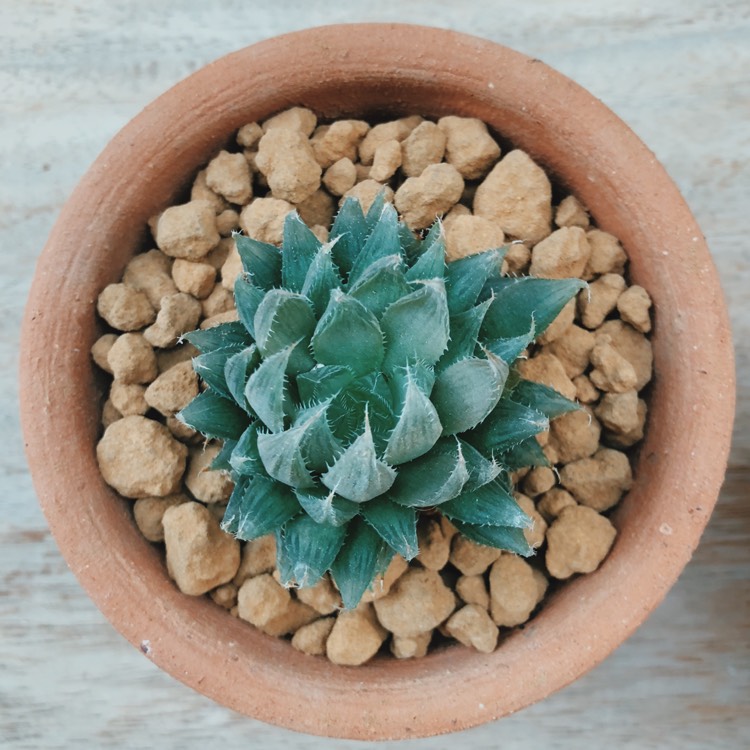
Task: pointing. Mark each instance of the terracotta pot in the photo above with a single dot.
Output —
(378, 71)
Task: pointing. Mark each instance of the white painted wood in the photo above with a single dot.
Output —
(72, 74)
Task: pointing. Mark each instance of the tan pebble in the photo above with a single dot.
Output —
(340, 140)
(618, 412)
(217, 320)
(453, 215)
(220, 300)
(132, 360)
(434, 548)
(125, 308)
(469, 147)
(598, 301)
(632, 345)
(562, 255)
(322, 597)
(287, 160)
(417, 602)
(261, 600)
(363, 173)
(576, 435)
(541, 583)
(235, 611)
(340, 176)
(534, 535)
(449, 530)
(109, 414)
(311, 639)
(550, 452)
(140, 458)
(573, 349)
(624, 439)
(248, 135)
(413, 647)
(296, 616)
(571, 213)
(425, 145)
(467, 235)
(551, 503)
(471, 558)
(258, 557)
(607, 255)
(168, 358)
(514, 591)
(578, 541)
(294, 118)
(188, 231)
(100, 351)
(227, 222)
(263, 219)
(420, 200)
(355, 638)
(366, 192)
(381, 586)
(229, 176)
(205, 484)
(194, 278)
(128, 398)
(317, 209)
(151, 273)
(600, 481)
(586, 392)
(613, 372)
(517, 195)
(538, 481)
(517, 258)
(473, 627)
(231, 269)
(182, 432)
(217, 257)
(473, 590)
(547, 369)
(225, 596)
(179, 314)
(320, 232)
(149, 511)
(200, 191)
(386, 131)
(634, 305)
(560, 325)
(386, 161)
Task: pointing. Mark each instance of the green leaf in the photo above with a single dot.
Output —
(285, 319)
(431, 479)
(282, 457)
(358, 474)
(214, 416)
(247, 297)
(466, 277)
(435, 234)
(489, 505)
(500, 537)
(259, 259)
(542, 398)
(348, 335)
(381, 284)
(322, 276)
(210, 367)
(245, 459)
(510, 349)
(326, 507)
(418, 427)
(258, 506)
(510, 423)
(431, 263)
(410, 244)
(221, 461)
(300, 247)
(396, 524)
(223, 336)
(362, 557)
(383, 241)
(527, 453)
(349, 230)
(323, 382)
(375, 212)
(467, 391)
(305, 550)
(464, 333)
(416, 326)
(266, 389)
(481, 469)
(320, 447)
(520, 300)
(237, 370)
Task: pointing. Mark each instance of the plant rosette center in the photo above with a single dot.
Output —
(366, 382)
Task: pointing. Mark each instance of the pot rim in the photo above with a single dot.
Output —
(595, 155)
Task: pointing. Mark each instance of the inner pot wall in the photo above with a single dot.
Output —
(379, 70)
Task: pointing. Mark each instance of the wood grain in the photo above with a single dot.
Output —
(72, 75)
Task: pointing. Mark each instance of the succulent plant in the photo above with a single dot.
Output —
(367, 382)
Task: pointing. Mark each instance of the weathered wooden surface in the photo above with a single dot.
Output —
(72, 74)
